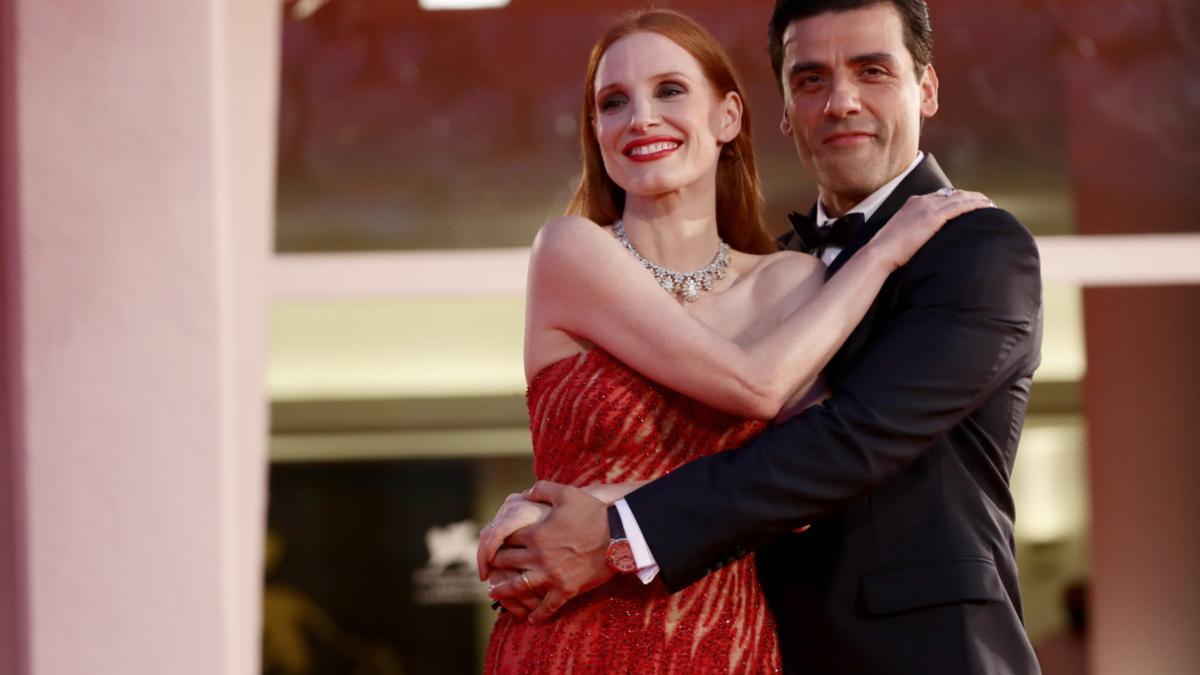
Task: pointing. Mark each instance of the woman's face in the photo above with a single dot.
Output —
(658, 121)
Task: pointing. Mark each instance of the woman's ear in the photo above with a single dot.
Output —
(731, 118)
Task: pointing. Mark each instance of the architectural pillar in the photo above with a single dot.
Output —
(1135, 157)
(139, 158)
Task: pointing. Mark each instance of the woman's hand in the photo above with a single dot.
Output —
(919, 219)
(519, 606)
(516, 512)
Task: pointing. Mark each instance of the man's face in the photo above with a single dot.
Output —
(852, 102)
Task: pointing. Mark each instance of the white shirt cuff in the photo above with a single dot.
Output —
(647, 567)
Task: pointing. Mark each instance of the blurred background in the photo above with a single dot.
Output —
(431, 144)
(269, 259)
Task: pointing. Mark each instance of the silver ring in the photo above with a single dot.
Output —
(945, 192)
(525, 578)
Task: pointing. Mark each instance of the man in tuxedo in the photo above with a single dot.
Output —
(903, 473)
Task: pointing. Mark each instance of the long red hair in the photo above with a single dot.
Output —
(739, 193)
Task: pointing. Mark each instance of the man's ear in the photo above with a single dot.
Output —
(731, 118)
(929, 92)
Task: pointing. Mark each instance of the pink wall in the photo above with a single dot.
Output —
(1141, 400)
(142, 137)
(12, 588)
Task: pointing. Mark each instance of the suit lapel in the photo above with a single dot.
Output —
(925, 178)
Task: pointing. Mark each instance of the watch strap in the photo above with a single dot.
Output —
(616, 528)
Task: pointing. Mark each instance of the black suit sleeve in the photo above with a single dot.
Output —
(964, 321)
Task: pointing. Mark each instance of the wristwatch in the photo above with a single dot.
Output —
(620, 553)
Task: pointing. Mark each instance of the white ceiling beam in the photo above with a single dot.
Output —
(1097, 260)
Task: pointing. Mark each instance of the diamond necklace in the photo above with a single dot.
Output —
(683, 285)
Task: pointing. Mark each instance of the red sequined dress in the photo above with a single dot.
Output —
(594, 419)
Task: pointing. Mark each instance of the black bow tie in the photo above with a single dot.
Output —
(813, 239)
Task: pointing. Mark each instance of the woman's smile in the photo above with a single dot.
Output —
(651, 149)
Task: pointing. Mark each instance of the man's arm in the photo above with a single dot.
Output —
(972, 301)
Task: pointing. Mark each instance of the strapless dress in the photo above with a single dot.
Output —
(594, 419)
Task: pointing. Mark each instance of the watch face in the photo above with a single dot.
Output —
(620, 557)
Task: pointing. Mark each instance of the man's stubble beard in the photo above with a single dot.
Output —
(850, 180)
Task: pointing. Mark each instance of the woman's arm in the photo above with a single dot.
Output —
(583, 283)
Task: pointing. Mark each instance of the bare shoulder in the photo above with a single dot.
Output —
(783, 272)
(568, 232)
(560, 286)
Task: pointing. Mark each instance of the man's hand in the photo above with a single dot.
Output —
(563, 554)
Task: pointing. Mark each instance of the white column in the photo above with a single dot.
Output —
(143, 144)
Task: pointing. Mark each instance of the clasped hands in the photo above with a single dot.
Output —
(545, 546)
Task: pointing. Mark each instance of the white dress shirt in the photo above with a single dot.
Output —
(647, 566)
(867, 207)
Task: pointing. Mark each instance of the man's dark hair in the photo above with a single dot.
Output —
(918, 33)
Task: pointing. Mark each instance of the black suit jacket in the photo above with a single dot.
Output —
(903, 473)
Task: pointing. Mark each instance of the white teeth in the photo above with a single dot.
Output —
(653, 148)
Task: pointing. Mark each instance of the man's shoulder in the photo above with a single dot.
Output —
(994, 218)
(980, 253)
(984, 229)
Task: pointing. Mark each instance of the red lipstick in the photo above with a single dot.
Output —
(651, 148)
